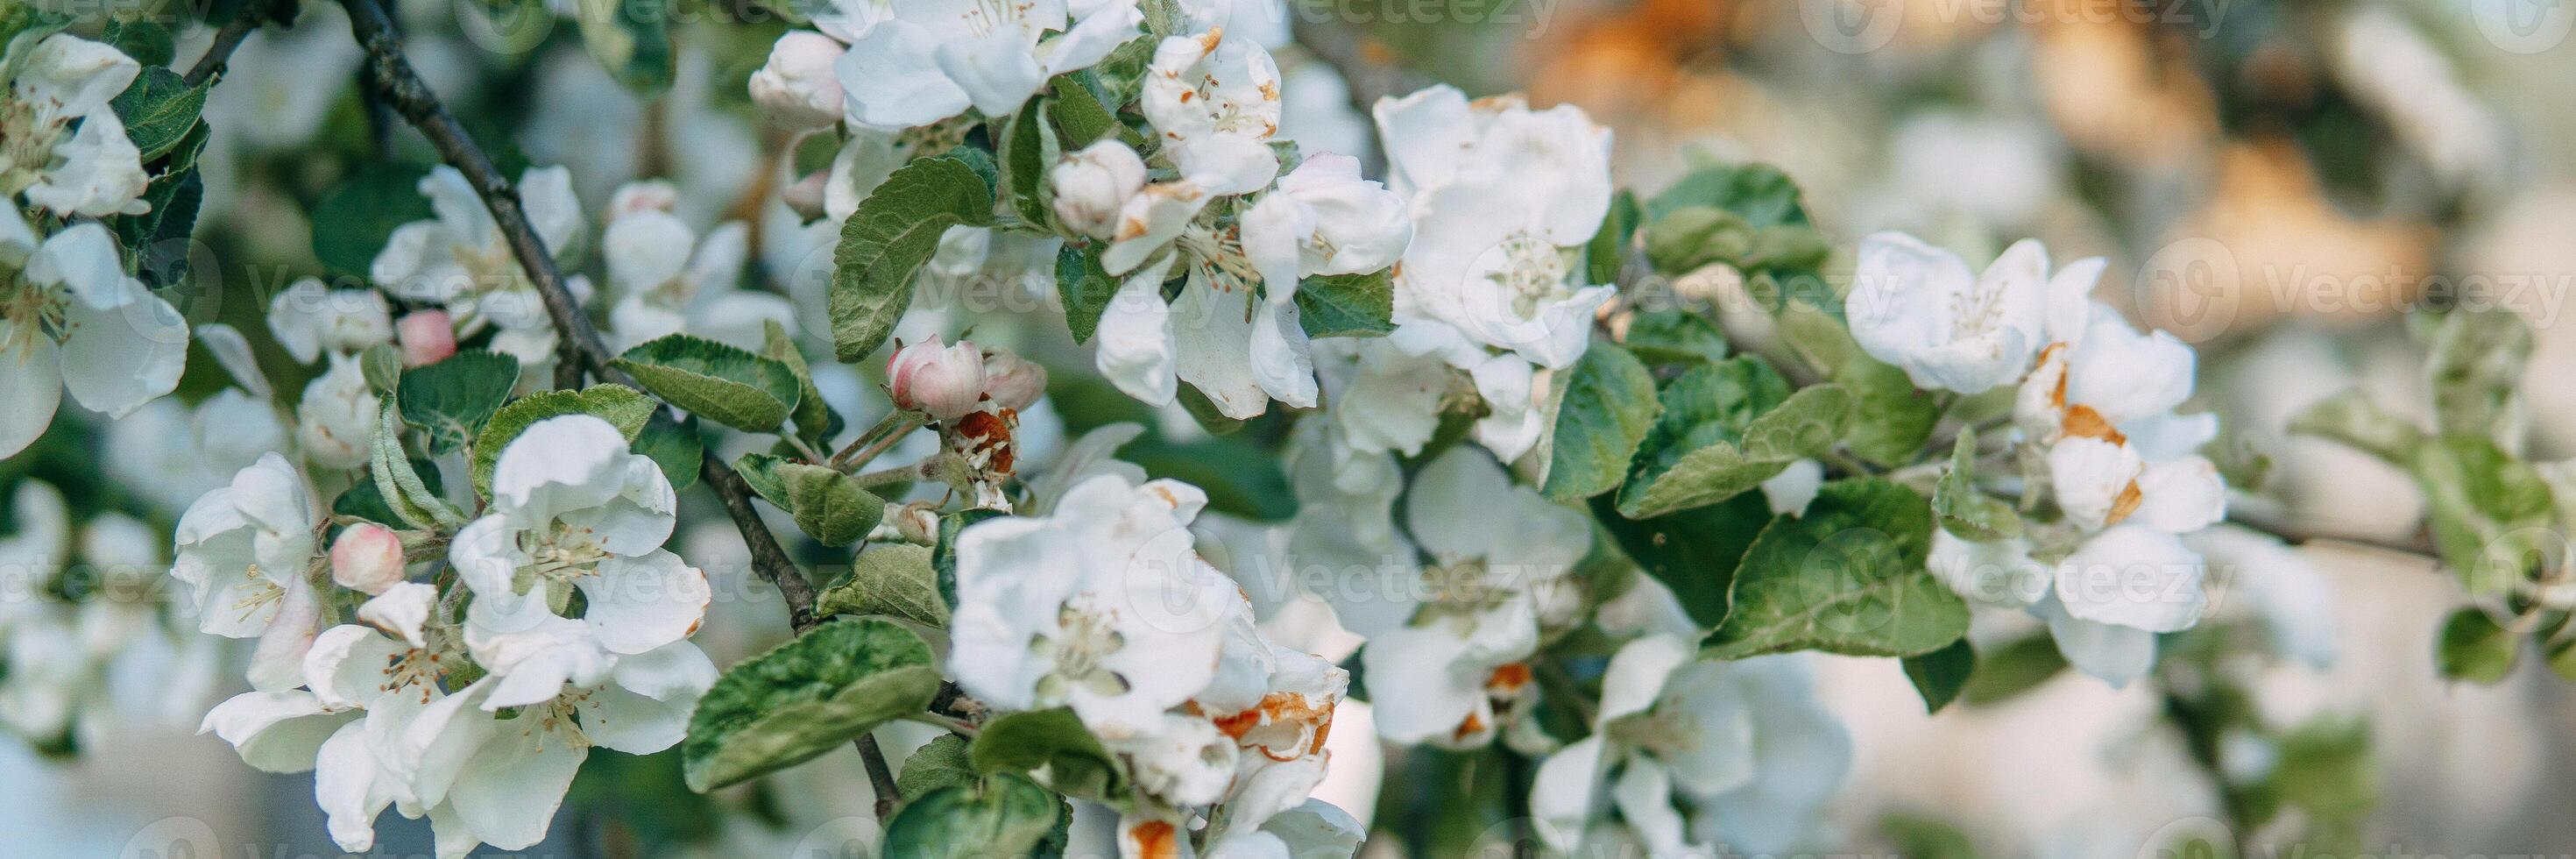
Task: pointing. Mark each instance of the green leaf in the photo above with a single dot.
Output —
(674, 447)
(1240, 476)
(2352, 419)
(1891, 420)
(1694, 552)
(2562, 659)
(398, 483)
(816, 423)
(841, 679)
(1939, 675)
(451, 400)
(352, 222)
(159, 236)
(1078, 113)
(1608, 405)
(1001, 816)
(2491, 514)
(1964, 511)
(943, 557)
(940, 763)
(895, 580)
(148, 42)
(622, 407)
(2474, 361)
(2473, 647)
(1086, 288)
(829, 505)
(715, 381)
(2014, 668)
(1694, 237)
(363, 500)
(1846, 577)
(1347, 305)
(2327, 769)
(1027, 149)
(1607, 253)
(760, 472)
(159, 109)
(1725, 428)
(1674, 337)
(895, 231)
(1918, 837)
(1758, 193)
(1052, 740)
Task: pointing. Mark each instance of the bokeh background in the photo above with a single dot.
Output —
(2276, 181)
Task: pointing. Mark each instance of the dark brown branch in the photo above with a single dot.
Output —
(392, 78)
(221, 51)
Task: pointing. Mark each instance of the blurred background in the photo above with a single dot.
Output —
(2275, 181)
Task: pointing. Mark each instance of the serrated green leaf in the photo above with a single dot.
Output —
(816, 423)
(715, 381)
(829, 505)
(1000, 816)
(1347, 305)
(1694, 552)
(1609, 404)
(937, 764)
(622, 407)
(1673, 337)
(895, 230)
(159, 109)
(148, 42)
(451, 400)
(2473, 647)
(1725, 428)
(894, 580)
(1051, 740)
(1964, 511)
(2491, 514)
(1939, 675)
(841, 679)
(2350, 418)
(673, 446)
(1027, 149)
(1086, 288)
(159, 236)
(1078, 114)
(2474, 362)
(1846, 577)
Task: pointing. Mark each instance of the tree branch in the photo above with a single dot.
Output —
(221, 51)
(2294, 533)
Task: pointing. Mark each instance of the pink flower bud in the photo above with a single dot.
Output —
(797, 88)
(367, 557)
(945, 381)
(427, 337)
(645, 195)
(805, 198)
(1012, 381)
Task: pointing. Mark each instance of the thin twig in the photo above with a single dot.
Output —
(221, 51)
(2296, 533)
(402, 89)
(880, 777)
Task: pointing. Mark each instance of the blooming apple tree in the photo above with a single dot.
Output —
(1585, 523)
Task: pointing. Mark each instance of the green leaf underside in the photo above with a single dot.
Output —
(1845, 577)
(712, 380)
(895, 580)
(1725, 428)
(625, 408)
(1939, 676)
(893, 232)
(451, 400)
(1347, 305)
(1053, 740)
(842, 678)
(1608, 406)
(1000, 816)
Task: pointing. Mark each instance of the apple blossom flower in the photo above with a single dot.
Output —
(427, 336)
(461, 260)
(923, 62)
(945, 381)
(68, 150)
(1215, 102)
(1092, 186)
(1695, 755)
(1013, 382)
(667, 281)
(1101, 605)
(76, 322)
(310, 319)
(335, 422)
(368, 558)
(241, 546)
(797, 87)
(1916, 307)
(572, 510)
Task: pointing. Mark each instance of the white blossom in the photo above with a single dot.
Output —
(67, 150)
(240, 547)
(70, 319)
(925, 61)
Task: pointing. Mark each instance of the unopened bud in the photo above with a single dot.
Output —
(647, 195)
(427, 337)
(1093, 184)
(1012, 381)
(367, 558)
(797, 88)
(805, 198)
(945, 381)
(917, 521)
